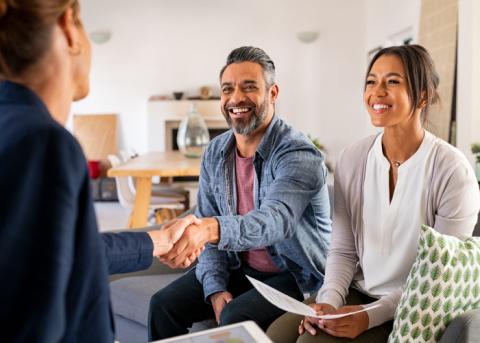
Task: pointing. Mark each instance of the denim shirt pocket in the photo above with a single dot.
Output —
(262, 192)
(265, 182)
(219, 196)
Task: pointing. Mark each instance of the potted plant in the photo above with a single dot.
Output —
(322, 149)
(476, 151)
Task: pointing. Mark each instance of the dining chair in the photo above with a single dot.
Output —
(162, 208)
(160, 189)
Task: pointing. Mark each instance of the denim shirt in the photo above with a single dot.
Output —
(291, 218)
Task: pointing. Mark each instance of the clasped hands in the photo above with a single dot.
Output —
(349, 326)
(179, 243)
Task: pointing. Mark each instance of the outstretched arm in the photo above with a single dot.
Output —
(133, 251)
(299, 174)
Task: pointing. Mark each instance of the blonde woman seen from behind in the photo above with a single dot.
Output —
(53, 262)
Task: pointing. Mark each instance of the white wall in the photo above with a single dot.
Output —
(468, 76)
(389, 20)
(162, 46)
(386, 18)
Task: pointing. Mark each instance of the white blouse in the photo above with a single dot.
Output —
(391, 228)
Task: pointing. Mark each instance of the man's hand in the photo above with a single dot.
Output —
(187, 262)
(349, 326)
(170, 233)
(309, 323)
(192, 241)
(219, 300)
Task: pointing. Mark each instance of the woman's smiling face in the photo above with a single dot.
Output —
(386, 93)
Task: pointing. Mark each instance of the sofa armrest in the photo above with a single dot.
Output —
(465, 328)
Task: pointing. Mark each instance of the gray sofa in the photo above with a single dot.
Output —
(131, 295)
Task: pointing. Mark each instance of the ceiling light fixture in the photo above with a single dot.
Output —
(100, 36)
(307, 36)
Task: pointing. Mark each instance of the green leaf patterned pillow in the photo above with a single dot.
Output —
(444, 282)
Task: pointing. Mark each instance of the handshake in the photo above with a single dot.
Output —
(182, 240)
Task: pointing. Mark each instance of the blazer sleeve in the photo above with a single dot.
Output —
(127, 251)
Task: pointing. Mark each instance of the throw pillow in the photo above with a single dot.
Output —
(444, 282)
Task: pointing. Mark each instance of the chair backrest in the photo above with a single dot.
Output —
(125, 156)
(126, 195)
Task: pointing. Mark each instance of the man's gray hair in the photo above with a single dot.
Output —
(256, 55)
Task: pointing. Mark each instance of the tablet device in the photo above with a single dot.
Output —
(244, 332)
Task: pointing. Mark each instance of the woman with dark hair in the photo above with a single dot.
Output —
(53, 268)
(385, 187)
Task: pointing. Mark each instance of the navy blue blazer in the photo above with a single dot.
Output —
(53, 263)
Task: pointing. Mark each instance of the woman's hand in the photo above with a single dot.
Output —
(349, 326)
(189, 260)
(165, 238)
(309, 323)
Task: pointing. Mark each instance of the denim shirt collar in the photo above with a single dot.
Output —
(265, 146)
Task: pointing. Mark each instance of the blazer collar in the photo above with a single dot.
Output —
(14, 94)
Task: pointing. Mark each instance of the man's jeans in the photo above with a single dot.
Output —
(176, 307)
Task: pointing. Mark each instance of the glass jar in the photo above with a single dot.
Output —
(193, 136)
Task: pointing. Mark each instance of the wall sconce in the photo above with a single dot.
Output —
(307, 36)
(100, 36)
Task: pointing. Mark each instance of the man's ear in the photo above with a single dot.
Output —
(67, 24)
(273, 91)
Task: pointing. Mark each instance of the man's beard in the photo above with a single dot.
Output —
(256, 119)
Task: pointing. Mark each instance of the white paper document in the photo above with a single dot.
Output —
(289, 304)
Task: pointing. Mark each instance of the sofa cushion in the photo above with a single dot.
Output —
(443, 283)
(465, 328)
(128, 331)
(131, 296)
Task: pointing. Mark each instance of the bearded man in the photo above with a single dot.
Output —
(265, 211)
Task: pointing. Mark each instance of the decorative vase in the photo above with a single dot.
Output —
(193, 136)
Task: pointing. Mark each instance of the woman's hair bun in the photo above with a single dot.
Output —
(3, 8)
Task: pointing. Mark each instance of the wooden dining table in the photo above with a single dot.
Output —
(146, 166)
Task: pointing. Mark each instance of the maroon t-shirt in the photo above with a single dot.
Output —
(258, 259)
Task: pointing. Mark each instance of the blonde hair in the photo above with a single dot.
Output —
(25, 31)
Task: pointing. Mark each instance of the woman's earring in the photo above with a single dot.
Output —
(76, 49)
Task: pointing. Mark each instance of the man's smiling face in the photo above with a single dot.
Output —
(244, 97)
